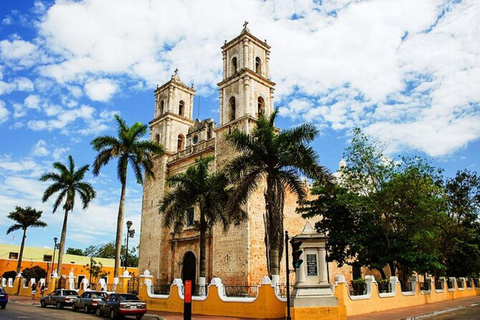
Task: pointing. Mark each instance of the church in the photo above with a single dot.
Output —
(238, 257)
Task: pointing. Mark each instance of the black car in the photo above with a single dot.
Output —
(88, 300)
(121, 304)
(3, 298)
(59, 298)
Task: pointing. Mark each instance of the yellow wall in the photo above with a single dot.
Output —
(375, 302)
(33, 256)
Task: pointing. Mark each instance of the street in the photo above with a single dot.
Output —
(25, 311)
(469, 313)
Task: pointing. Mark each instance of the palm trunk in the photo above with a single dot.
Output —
(203, 228)
(20, 256)
(118, 239)
(62, 243)
(274, 201)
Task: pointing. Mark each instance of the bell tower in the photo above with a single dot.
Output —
(173, 114)
(245, 89)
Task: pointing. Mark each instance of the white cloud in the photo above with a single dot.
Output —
(40, 149)
(32, 102)
(100, 90)
(18, 84)
(384, 65)
(3, 112)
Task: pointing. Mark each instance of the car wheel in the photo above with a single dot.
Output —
(43, 304)
(98, 312)
(113, 314)
(74, 307)
(139, 316)
(3, 306)
(59, 305)
(86, 309)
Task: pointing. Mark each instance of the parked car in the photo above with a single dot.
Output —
(59, 298)
(3, 298)
(121, 304)
(88, 300)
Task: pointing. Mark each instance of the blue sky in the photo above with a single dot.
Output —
(407, 72)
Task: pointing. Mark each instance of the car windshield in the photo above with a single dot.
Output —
(125, 297)
(1, 290)
(70, 293)
(99, 295)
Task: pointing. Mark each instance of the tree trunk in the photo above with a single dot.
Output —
(392, 268)
(118, 238)
(62, 243)
(203, 228)
(20, 255)
(382, 273)
(274, 201)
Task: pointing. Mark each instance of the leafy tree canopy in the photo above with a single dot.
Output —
(402, 213)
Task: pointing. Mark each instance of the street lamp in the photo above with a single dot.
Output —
(53, 260)
(130, 234)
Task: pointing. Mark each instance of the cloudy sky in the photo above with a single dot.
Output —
(407, 72)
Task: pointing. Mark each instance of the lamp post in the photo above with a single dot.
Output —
(130, 234)
(53, 260)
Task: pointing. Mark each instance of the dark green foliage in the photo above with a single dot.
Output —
(95, 271)
(36, 272)
(129, 149)
(282, 160)
(461, 245)
(209, 192)
(24, 218)
(67, 183)
(75, 251)
(402, 213)
(9, 274)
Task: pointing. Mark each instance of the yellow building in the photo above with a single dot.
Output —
(43, 257)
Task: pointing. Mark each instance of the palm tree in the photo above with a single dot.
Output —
(67, 182)
(24, 218)
(280, 159)
(197, 187)
(129, 149)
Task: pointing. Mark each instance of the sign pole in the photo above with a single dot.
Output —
(288, 276)
(187, 302)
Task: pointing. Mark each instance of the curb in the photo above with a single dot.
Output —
(437, 312)
(153, 316)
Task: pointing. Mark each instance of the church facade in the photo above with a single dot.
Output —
(238, 257)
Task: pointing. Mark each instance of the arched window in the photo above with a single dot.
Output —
(234, 65)
(231, 102)
(258, 65)
(261, 106)
(180, 143)
(162, 106)
(157, 138)
(181, 107)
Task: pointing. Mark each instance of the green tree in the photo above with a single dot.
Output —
(36, 272)
(75, 251)
(208, 192)
(279, 159)
(461, 233)
(24, 218)
(95, 270)
(68, 183)
(129, 149)
(381, 212)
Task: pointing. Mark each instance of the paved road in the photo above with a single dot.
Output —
(25, 311)
(469, 313)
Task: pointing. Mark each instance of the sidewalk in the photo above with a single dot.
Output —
(413, 312)
(395, 314)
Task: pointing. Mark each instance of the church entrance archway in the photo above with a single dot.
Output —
(189, 269)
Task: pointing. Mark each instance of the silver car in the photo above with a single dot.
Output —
(88, 300)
